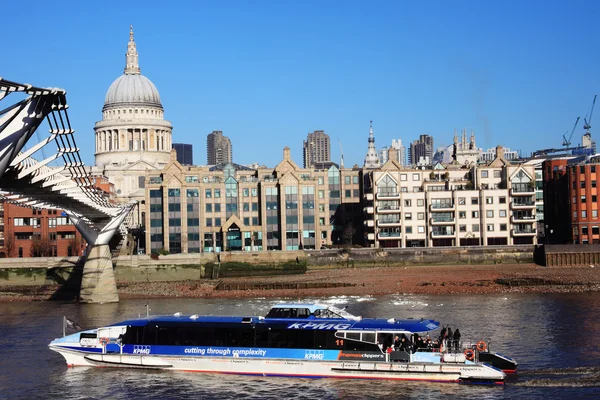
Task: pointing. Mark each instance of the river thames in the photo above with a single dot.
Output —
(554, 337)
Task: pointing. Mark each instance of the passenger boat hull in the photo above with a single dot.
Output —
(440, 372)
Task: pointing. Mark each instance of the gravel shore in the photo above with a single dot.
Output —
(455, 279)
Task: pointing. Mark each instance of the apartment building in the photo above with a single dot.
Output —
(571, 200)
(453, 205)
(229, 207)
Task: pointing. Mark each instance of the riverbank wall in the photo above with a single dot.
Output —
(179, 267)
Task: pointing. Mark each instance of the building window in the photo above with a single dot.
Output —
(490, 227)
(489, 200)
(420, 229)
(574, 214)
(403, 177)
(595, 230)
(208, 193)
(407, 203)
(408, 229)
(582, 169)
(593, 184)
(594, 198)
(502, 213)
(462, 228)
(347, 192)
(347, 180)
(594, 213)
(420, 202)
(320, 180)
(208, 207)
(245, 192)
(461, 201)
(490, 214)
(475, 214)
(583, 199)
(462, 214)
(416, 177)
(583, 214)
(408, 216)
(476, 228)
(355, 180)
(497, 174)
(502, 200)
(582, 184)
(474, 200)
(484, 174)
(584, 230)
(209, 221)
(420, 216)
(503, 227)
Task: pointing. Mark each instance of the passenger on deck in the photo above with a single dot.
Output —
(449, 335)
(456, 339)
(397, 342)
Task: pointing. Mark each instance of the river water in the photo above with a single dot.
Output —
(554, 337)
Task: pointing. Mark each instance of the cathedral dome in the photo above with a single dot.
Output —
(132, 89)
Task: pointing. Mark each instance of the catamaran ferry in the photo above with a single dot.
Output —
(292, 340)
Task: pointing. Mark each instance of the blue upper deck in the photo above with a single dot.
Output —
(297, 316)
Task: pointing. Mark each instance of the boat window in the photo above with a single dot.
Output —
(368, 337)
(288, 313)
(325, 313)
(87, 336)
(353, 335)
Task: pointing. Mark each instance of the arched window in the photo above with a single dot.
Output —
(387, 186)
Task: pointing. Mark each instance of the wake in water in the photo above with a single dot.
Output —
(562, 377)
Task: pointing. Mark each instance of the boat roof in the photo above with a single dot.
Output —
(345, 321)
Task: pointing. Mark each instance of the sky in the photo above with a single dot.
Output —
(266, 73)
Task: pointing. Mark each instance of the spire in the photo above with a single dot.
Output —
(131, 57)
(371, 159)
(473, 146)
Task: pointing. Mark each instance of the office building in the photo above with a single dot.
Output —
(316, 148)
(421, 149)
(185, 155)
(218, 148)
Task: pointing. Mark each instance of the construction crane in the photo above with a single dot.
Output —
(587, 123)
(567, 142)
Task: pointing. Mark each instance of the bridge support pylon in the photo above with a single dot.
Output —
(98, 283)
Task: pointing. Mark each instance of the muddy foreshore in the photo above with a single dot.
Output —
(433, 280)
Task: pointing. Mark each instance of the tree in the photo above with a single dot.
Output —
(9, 245)
(75, 245)
(40, 247)
(348, 233)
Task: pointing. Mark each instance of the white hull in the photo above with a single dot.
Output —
(292, 368)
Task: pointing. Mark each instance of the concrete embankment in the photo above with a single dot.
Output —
(180, 267)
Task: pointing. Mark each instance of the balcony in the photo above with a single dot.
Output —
(441, 207)
(442, 221)
(388, 210)
(522, 205)
(528, 219)
(388, 195)
(390, 222)
(370, 236)
(370, 223)
(522, 190)
(369, 196)
(523, 232)
(389, 235)
(368, 210)
(443, 233)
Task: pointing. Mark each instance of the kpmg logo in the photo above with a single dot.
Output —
(137, 349)
(314, 354)
(321, 326)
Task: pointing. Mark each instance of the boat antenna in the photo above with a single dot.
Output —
(147, 311)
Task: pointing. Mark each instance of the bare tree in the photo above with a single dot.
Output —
(348, 233)
(40, 247)
(75, 245)
(9, 245)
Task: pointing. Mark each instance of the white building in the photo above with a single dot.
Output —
(451, 206)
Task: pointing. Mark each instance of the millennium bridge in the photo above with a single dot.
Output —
(58, 181)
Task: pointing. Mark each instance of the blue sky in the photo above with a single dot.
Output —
(268, 72)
